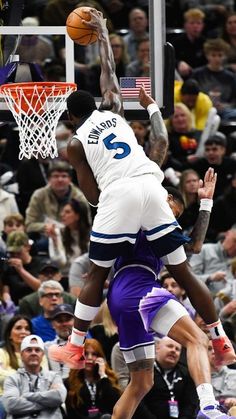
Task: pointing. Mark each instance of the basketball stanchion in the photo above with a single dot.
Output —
(37, 107)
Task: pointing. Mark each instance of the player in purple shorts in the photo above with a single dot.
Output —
(140, 307)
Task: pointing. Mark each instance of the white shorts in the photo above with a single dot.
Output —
(125, 207)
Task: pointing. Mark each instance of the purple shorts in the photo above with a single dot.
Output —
(134, 298)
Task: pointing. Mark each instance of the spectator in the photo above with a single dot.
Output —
(47, 202)
(34, 48)
(183, 137)
(50, 295)
(8, 205)
(30, 390)
(223, 380)
(211, 265)
(94, 389)
(62, 319)
(215, 80)
(141, 131)
(198, 102)
(56, 11)
(215, 157)
(19, 274)
(71, 241)
(77, 274)
(140, 66)
(189, 45)
(224, 204)
(38, 169)
(12, 222)
(172, 381)
(17, 328)
(169, 283)
(105, 332)
(138, 25)
(29, 305)
(7, 308)
(215, 13)
(229, 36)
(188, 186)
(120, 367)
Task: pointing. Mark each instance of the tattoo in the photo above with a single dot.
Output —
(198, 233)
(158, 139)
(142, 364)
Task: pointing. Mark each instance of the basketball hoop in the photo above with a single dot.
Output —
(37, 107)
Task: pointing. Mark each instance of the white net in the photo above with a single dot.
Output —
(37, 108)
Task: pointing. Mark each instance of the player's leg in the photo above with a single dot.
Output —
(141, 382)
(202, 301)
(187, 333)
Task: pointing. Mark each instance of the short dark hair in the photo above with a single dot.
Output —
(81, 103)
(59, 166)
(176, 194)
(190, 87)
(218, 138)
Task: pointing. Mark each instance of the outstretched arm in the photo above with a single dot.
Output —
(159, 136)
(109, 85)
(205, 193)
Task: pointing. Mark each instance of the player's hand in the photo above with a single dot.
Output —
(229, 308)
(97, 21)
(144, 98)
(207, 187)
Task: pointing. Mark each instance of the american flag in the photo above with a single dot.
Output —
(130, 86)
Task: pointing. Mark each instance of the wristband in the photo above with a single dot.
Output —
(152, 108)
(206, 204)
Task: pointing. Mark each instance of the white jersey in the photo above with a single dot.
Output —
(112, 150)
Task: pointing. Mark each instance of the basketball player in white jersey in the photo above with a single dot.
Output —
(115, 174)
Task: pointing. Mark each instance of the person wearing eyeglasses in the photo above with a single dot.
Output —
(62, 319)
(50, 295)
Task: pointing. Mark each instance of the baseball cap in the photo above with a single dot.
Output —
(16, 240)
(32, 341)
(48, 264)
(62, 309)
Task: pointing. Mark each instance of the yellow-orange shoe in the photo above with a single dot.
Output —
(68, 354)
(224, 351)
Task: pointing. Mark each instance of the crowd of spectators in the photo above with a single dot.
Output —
(45, 219)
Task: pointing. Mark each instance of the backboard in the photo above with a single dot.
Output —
(161, 62)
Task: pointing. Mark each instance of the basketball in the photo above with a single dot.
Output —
(77, 30)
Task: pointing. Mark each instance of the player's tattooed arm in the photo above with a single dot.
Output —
(206, 191)
(159, 136)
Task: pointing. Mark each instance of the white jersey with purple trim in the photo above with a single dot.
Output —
(112, 150)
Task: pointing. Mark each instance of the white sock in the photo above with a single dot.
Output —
(77, 337)
(206, 395)
(216, 330)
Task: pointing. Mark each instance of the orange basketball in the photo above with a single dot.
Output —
(77, 30)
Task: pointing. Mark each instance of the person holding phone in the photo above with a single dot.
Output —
(94, 390)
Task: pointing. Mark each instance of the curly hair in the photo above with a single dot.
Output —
(76, 378)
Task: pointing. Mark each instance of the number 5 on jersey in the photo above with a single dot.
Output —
(117, 145)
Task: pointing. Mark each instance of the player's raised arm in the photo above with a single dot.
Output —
(109, 85)
(205, 193)
(159, 136)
